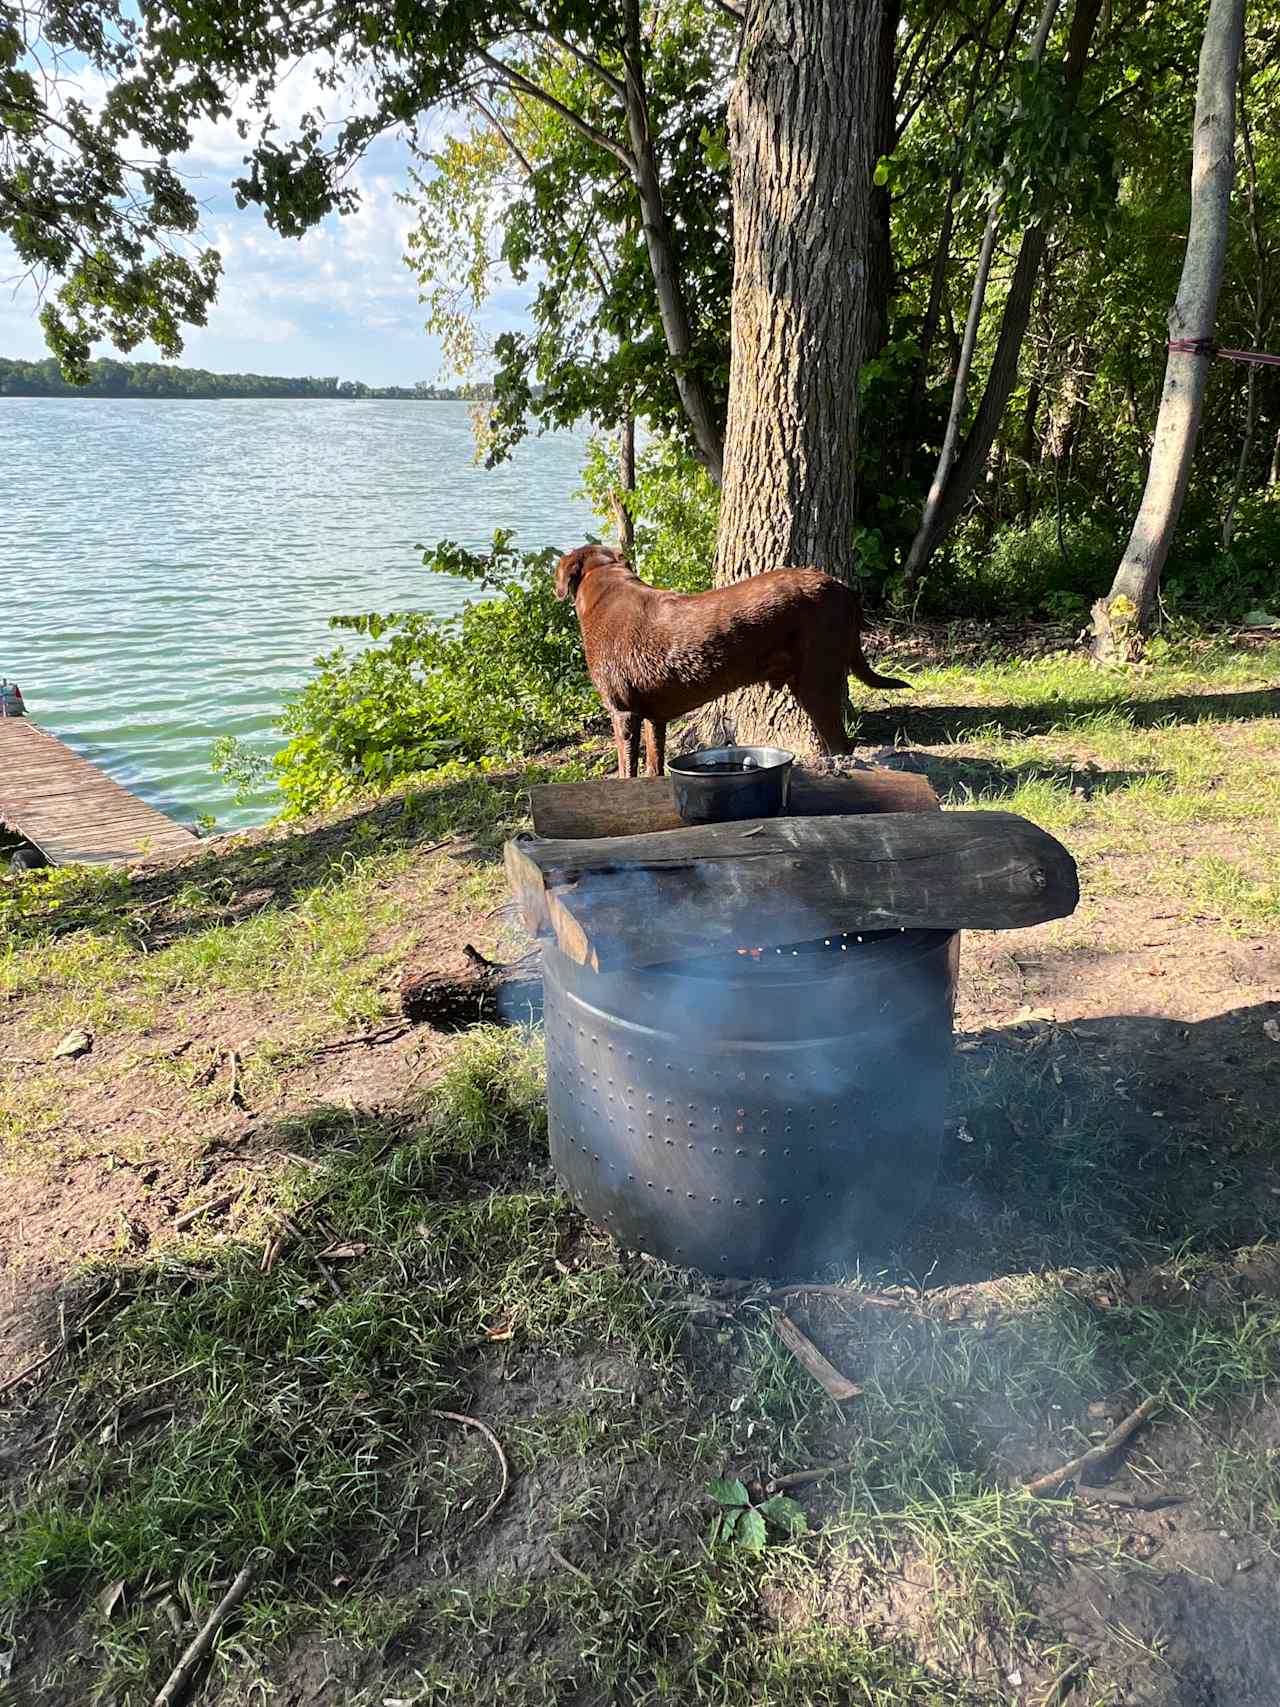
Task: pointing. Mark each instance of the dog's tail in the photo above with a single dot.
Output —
(859, 667)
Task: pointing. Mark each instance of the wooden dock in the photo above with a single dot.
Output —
(69, 809)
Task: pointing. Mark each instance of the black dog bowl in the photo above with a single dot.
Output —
(723, 783)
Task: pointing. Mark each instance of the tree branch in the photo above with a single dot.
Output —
(517, 80)
(593, 65)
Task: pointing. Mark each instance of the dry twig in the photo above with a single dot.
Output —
(482, 1428)
(805, 1478)
(179, 1679)
(209, 1207)
(233, 1090)
(24, 1374)
(1133, 1499)
(568, 1565)
(834, 1384)
(1096, 1454)
(384, 1034)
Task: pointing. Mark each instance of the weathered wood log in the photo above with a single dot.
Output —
(449, 1001)
(610, 806)
(642, 900)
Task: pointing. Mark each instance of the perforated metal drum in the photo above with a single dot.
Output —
(761, 1113)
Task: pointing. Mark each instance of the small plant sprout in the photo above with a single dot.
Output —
(747, 1526)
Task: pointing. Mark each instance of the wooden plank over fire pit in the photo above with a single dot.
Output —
(616, 901)
(643, 805)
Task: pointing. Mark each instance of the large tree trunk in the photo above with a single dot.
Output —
(802, 124)
(1120, 619)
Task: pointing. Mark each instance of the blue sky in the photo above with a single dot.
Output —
(339, 301)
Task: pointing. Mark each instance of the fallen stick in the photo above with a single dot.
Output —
(209, 1207)
(233, 1090)
(465, 1421)
(330, 1278)
(568, 1565)
(179, 1678)
(7, 1387)
(384, 1034)
(804, 1478)
(833, 1383)
(1132, 1499)
(1096, 1454)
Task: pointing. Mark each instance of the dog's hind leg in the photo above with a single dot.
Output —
(626, 737)
(823, 702)
(655, 746)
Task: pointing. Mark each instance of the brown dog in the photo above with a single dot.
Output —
(653, 655)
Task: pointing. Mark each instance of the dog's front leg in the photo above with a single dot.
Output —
(655, 746)
(626, 737)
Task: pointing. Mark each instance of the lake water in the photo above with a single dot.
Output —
(167, 569)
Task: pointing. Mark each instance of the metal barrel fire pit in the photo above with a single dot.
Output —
(765, 1112)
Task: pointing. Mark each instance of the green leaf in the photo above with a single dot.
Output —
(728, 1519)
(728, 1491)
(751, 1534)
(784, 1514)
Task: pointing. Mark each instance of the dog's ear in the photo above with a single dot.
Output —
(569, 572)
(574, 565)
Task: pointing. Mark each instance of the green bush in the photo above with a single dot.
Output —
(1203, 580)
(1029, 570)
(498, 679)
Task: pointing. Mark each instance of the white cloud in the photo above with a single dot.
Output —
(342, 292)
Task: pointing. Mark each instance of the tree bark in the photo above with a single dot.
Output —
(662, 261)
(802, 124)
(950, 493)
(624, 493)
(1121, 617)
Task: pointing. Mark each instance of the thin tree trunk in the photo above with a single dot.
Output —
(658, 241)
(921, 545)
(1273, 478)
(1259, 308)
(948, 496)
(802, 121)
(625, 489)
(1121, 617)
(880, 247)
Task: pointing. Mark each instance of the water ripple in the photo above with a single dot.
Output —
(168, 569)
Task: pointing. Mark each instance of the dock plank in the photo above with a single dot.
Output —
(68, 808)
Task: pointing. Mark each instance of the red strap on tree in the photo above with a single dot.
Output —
(1210, 347)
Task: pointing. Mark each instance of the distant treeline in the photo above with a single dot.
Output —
(155, 379)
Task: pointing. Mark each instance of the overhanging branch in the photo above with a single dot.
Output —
(517, 80)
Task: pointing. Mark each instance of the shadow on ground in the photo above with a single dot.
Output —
(958, 780)
(929, 724)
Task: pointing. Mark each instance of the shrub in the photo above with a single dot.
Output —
(502, 676)
(1023, 570)
(1203, 580)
